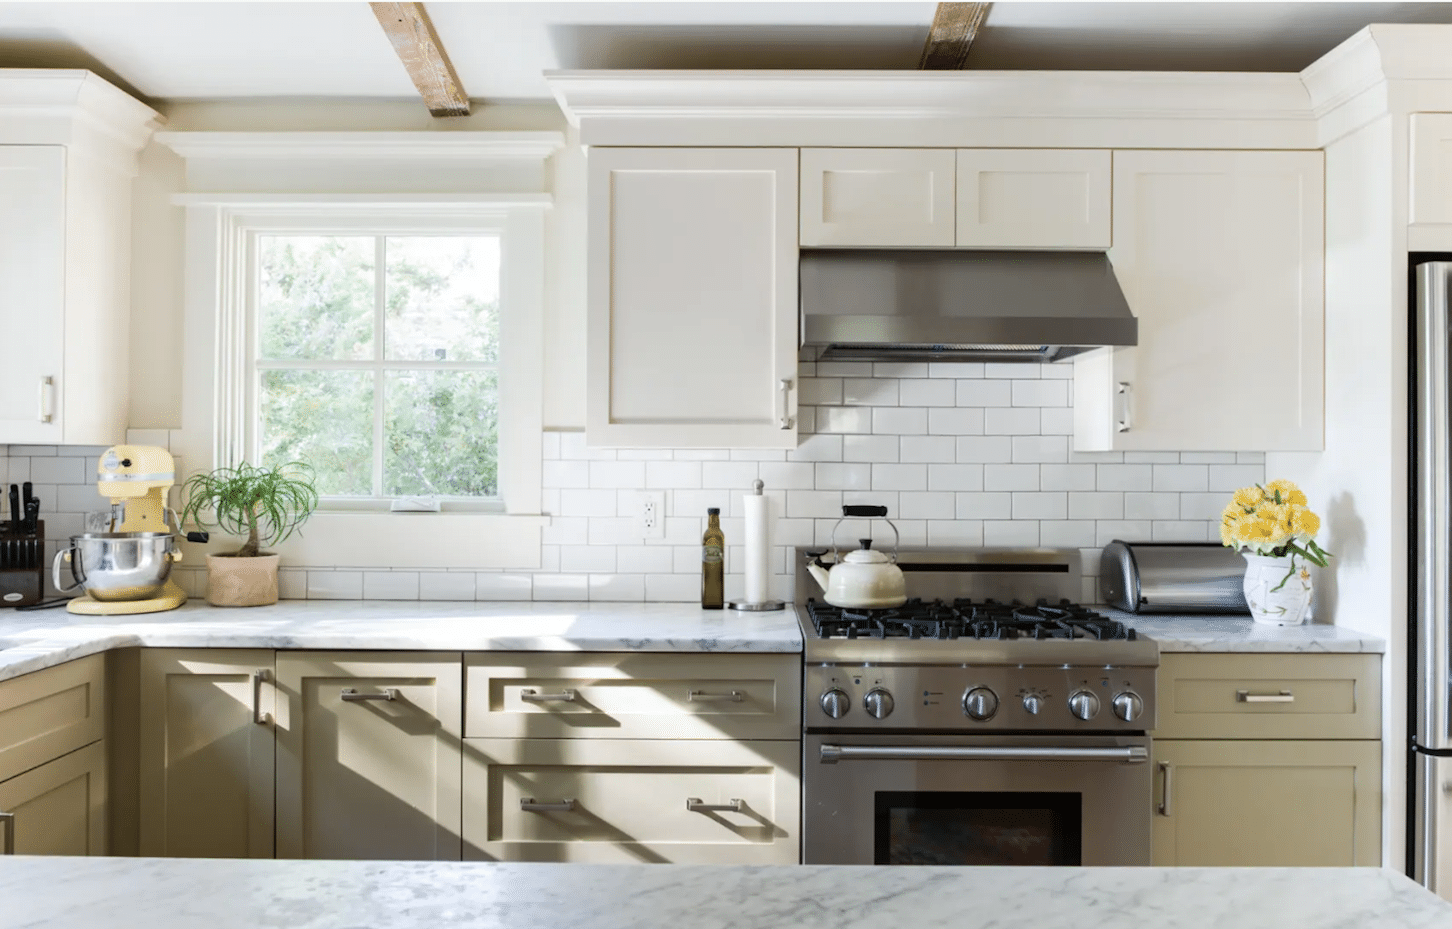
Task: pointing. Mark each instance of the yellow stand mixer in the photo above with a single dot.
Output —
(127, 570)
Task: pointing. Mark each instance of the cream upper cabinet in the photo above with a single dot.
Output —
(1220, 255)
(1033, 198)
(1431, 192)
(32, 290)
(206, 753)
(692, 298)
(368, 755)
(877, 197)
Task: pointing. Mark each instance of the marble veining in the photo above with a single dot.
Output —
(30, 641)
(1210, 633)
(82, 893)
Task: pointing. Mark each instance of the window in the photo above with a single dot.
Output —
(376, 361)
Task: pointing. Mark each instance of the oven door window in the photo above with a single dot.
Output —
(964, 828)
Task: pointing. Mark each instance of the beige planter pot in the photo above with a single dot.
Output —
(233, 581)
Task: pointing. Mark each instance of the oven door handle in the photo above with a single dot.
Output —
(1120, 754)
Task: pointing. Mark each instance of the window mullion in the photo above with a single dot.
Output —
(380, 316)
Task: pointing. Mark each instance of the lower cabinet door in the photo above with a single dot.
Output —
(206, 753)
(60, 807)
(368, 758)
(1267, 804)
(632, 800)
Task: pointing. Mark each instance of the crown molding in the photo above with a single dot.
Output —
(75, 108)
(364, 146)
(285, 202)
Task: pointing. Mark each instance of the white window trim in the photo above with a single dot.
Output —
(218, 229)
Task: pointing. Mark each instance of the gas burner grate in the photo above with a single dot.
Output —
(966, 619)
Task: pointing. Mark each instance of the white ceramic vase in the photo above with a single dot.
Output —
(1270, 600)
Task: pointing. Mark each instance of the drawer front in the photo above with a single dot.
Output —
(1269, 697)
(628, 801)
(49, 713)
(633, 696)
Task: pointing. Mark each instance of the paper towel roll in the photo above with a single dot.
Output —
(757, 538)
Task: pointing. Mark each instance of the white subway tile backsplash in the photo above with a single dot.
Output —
(1231, 477)
(1068, 533)
(617, 474)
(888, 420)
(816, 503)
(573, 448)
(1213, 458)
(955, 421)
(589, 502)
(1040, 393)
(1012, 370)
(1152, 457)
(1056, 420)
(899, 477)
(668, 588)
(1011, 421)
(1047, 449)
(752, 454)
(955, 476)
(1106, 531)
(905, 369)
(820, 391)
(1182, 477)
(962, 533)
(844, 419)
(925, 505)
(728, 474)
(672, 475)
(1010, 477)
(550, 446)
(58, 470)
(818, 448)
(645, 454)
(566, 474)
(982, 393)
(292, 583)
(335, 585)
(955, 369)
(1208, 507)
(1184, 531)
(617, 587)
(1031, 506)
(566, 530)
(929, 449)
(1250, 458)
(788, 475)
(869, 391)
(984, 505)
(503, 586)
(987, 449)
(616, 530)
(1151, 506)
(927, 392)
(586, 559)
(844, 369)
(561, 587)
(872, 449)
(835, 475)
(1126, 477)
(1067, 477)
(388, 585)
(1005, 533)
(712, 454)
(1096, 505)
(446, 585)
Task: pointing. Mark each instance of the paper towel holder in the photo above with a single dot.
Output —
(765, 605)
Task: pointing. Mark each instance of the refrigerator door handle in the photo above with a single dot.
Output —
(1434, 507)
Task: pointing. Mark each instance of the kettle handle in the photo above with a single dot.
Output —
(869, 513)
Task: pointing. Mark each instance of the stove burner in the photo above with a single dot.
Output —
(985, 619)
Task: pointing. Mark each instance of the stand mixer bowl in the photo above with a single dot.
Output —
(115, 566)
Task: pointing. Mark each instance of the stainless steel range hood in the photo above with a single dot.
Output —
(909, 305)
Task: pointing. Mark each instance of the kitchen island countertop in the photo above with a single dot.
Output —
(91, 893)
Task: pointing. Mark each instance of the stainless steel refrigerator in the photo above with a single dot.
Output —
(1430, 715)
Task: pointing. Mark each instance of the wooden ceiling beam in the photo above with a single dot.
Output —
(955, 26)
(408, 27)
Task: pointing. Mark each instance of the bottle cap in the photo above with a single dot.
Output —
(713, 511)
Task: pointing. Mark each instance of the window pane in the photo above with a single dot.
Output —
(441, 433)
(316, 296)
(443, 298)
(324, 418)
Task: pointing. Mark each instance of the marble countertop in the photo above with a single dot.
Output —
(91, 893)
(1222, 633)
(32, 640)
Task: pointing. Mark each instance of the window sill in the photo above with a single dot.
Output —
(415, 540)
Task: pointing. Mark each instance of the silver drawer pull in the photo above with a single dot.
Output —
(47, 399)
(389, 694)
(1122, 754)
(531, 805)
(700, 696)
(1166, 770)
(8, 821)
(564, 696)
(1245, 696)
(258, 677)
(697, 805)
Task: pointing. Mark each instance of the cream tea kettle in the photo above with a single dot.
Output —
(862, 579)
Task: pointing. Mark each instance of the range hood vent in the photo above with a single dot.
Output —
(906, 305)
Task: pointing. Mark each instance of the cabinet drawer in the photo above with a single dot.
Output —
(60, 807)
(49, 713)
(877, 197)
(1034, 198)
(1269, 697)
(628, 801)
(633, 696)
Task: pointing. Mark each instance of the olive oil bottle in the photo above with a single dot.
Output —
(713, 562)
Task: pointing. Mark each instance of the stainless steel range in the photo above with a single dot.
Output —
(987, 721)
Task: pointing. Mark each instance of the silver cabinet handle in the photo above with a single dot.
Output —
(700, 696)
(1164, 807)
(1125, 754)
(531, 805)
(352, 696)
(564, 696)
(258, 677)
(697, 805)
(786, 407)
(8, 821)
(1121, 400)
(1245, 696)
(47, 399)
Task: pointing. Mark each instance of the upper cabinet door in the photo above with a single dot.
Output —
(1431, 168)
(1033, 198)
(32, 292)
(1220, 255)
(883, 197)
(692, 298)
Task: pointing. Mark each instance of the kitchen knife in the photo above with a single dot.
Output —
(32, 515)
(14, 507)
(27, 494)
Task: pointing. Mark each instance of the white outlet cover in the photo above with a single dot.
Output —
(650, 514)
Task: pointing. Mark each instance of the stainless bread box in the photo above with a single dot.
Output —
(1172, 577)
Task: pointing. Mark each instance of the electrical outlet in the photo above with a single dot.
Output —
(650, 514)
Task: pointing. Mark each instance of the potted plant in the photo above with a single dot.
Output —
(267, 505)
(1271, 527)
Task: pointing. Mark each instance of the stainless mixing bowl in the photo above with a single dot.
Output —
(117, 565)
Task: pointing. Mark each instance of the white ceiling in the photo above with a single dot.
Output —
(188, 51)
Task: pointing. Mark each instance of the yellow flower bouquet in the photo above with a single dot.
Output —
(1273, 521)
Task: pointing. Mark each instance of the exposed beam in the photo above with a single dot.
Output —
(408, 28)
(955, 26)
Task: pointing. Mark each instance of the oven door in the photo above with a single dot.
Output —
(976, 800)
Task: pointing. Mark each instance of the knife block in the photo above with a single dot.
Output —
(22, 565)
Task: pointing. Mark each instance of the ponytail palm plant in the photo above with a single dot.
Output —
(267, 505)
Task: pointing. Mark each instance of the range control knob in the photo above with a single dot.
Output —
(1128, 706)
(1084, 705)
(877, 703)
(835, 703)
(980, 703)
(1031, 704)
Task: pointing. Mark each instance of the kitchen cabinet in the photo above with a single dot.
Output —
(60, 807)
(206, 753)
(368, 755)
(692, 332)
(1220, 255)
(1431, 191)
(877, 197)
(32, 274)
(1268, 760)
(1033, 198)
